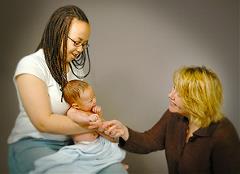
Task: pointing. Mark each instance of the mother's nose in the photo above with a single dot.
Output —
(79, 49)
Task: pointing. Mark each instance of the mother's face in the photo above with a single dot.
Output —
(78, 36)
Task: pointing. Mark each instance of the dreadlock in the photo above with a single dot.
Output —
(54, 35)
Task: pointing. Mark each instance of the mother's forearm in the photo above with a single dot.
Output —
(60, 124)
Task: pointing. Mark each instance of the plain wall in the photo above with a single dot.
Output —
(135, 46)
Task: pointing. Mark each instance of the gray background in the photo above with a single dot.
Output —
(135, 46)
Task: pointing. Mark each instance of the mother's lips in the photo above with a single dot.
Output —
(75, 55)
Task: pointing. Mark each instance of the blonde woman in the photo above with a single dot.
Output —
(195, 135)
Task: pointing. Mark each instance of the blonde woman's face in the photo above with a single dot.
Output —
(78, 36)
(175, 102)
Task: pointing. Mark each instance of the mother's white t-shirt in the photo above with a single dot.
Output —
(35, 64)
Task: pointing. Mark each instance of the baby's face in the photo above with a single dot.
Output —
(87, 100)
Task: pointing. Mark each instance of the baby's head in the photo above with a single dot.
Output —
(80, 95)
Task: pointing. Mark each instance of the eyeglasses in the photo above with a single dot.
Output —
(78, 44)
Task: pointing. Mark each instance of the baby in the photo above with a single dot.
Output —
(80, 96)
(92, 151)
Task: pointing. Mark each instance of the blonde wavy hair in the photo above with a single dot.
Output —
(201, 92)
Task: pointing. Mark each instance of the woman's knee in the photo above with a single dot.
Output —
(22, 154)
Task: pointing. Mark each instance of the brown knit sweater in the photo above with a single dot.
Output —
(211, 150)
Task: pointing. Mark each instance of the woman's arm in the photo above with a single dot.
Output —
(34, 95)
(81, 117)
(138, 142)
(226, 150)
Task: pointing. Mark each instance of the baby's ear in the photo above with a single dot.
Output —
(74, 105)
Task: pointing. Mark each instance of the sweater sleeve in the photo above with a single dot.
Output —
(226, 150)
(148, 141)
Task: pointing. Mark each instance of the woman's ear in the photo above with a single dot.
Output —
(75, 105)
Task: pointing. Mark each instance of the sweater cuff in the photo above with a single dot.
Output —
(122, 143)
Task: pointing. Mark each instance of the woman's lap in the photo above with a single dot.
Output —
(22, 154)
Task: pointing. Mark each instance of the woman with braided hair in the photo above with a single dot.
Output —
(41, 127)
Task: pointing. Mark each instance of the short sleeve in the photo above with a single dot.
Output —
(31, 65)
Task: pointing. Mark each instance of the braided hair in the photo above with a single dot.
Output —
(54, 39)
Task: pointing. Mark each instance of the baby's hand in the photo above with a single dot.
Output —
(97, 110)
(93, 118)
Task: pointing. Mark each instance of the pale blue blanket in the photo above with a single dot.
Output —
(87, 158)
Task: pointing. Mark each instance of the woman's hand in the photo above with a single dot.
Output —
(114, 128)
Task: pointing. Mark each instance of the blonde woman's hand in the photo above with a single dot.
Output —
(115, 129)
